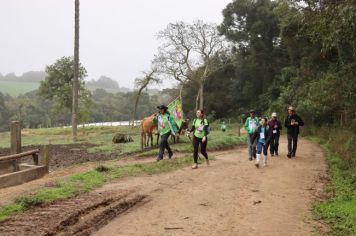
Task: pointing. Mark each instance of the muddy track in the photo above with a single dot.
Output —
(81, 215)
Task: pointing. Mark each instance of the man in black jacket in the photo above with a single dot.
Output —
(292, 123)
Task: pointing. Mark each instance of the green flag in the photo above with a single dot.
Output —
(176, 110)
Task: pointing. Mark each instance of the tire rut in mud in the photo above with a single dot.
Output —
(81, 215)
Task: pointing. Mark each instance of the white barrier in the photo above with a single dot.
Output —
(113, 123)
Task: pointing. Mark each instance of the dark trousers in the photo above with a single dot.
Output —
(196, 142)
(292, 143)
(274, 143)
(164, 145)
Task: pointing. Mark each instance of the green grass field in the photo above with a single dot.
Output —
(14, 88)
(102, 138)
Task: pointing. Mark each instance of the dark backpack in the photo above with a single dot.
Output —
(208, 129)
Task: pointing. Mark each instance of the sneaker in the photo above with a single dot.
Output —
(195, 166)
(272, 154)
(257, 165)
(207, 162)
(170, 156)
(264, 163)
(159, 159)
(276, 153)
(289, 155)
(250, 158)
(293, 155)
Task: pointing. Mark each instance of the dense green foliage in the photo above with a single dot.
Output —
(339, 210)
(286, 53)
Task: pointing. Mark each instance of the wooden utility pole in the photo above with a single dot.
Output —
(76, 74)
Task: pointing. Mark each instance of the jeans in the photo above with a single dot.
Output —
(292, 143)
(274, 143)
(262, 147)
(196, 142)
(164, 145)
(251, 146)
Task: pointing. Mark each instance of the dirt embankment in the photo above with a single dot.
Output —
(64, 155)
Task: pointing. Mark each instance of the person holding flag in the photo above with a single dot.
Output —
(166, 126)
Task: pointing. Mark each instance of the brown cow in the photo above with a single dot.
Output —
(147, 127)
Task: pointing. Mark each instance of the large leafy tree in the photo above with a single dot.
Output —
(58, 84)
(253, 27)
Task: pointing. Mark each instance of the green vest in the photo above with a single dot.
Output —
(163, 124)
(199, 127)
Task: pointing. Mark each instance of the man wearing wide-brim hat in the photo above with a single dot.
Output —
(292, 123)
(165, 127)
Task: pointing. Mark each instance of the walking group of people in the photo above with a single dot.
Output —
(264, 134)
(261, 134)
(199, 129)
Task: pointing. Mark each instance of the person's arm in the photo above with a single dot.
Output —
(279, 125)
(206, 127)
(286, 123)
(172, 125)
(246, 125)
(300, 121)
(254, 136)
(192, 128)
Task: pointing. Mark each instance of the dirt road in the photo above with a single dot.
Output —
(231, 197)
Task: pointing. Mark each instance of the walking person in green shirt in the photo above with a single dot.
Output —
(200, 130)
(166, 126)
(251, 125)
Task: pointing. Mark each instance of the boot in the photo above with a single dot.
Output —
(265, 161)
(257, 163)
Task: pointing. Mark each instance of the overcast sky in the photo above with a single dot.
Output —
(117, 37)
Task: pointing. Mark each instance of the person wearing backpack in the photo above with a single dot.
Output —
(251, 124)
(200, 130)
(166, 127)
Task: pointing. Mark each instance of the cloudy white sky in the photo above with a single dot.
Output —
(117, 37)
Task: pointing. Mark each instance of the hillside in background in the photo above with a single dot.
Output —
(107, 84)
(30, 76)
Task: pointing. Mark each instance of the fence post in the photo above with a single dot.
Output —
(15, 135)
(238, 130)
(44, 155)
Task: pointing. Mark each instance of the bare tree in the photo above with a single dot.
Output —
(76, 74)
(142, 83)
(187, 53)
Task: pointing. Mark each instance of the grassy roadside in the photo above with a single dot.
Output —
(339, 211)
(85, 182)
